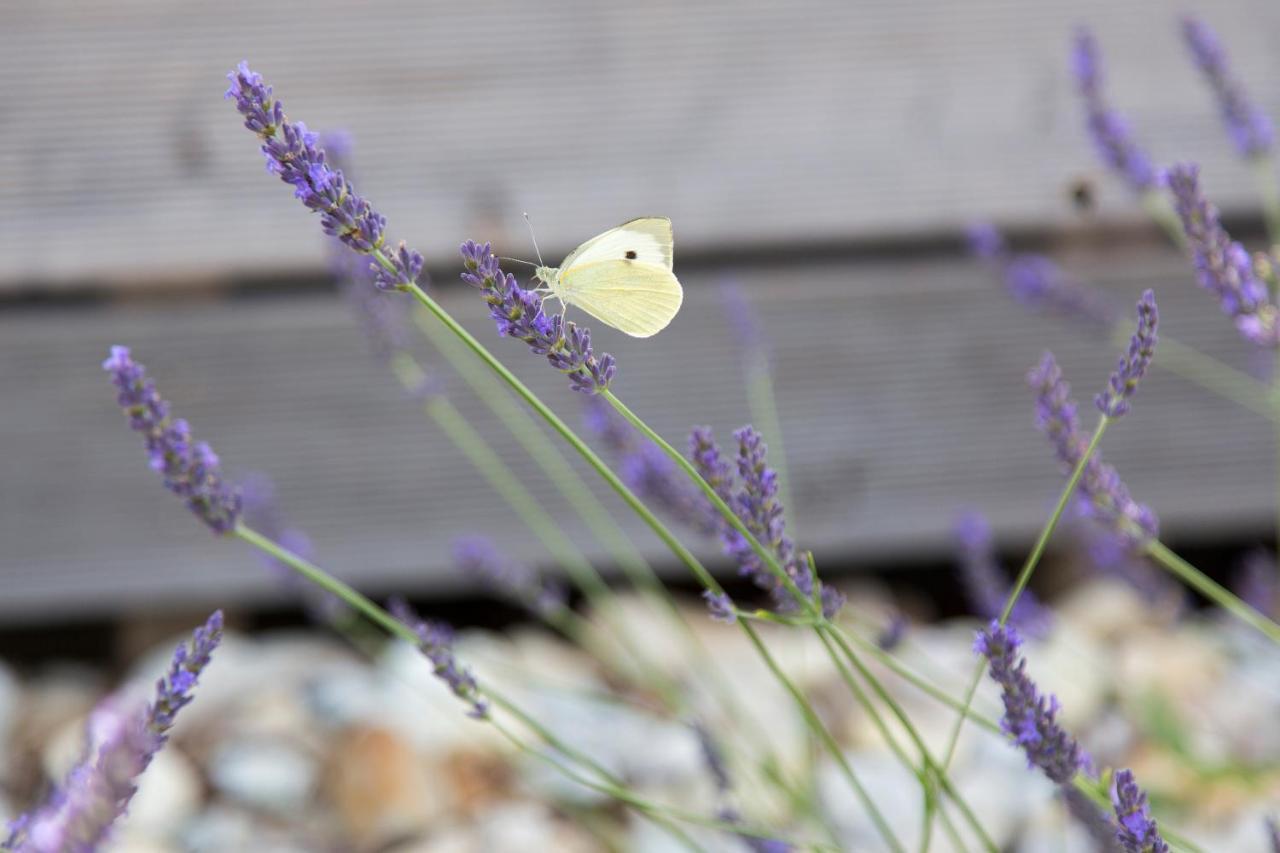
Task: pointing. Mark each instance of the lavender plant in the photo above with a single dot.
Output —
(97, 792)
(737, 496)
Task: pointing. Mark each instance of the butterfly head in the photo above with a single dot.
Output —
(550, 276)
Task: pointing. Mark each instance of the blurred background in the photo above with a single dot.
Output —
(820, 159)
(823, 157)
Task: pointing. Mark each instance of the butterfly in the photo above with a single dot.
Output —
(622, 277)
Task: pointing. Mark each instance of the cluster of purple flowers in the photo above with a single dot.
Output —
(1223, 266)
(435, 640)
(1137, 832)
(1030, 718)
(190, 469)
(479, 557)
(1133, 365)
(1103, 495)
(753, 497)
(1250, 129)
(97, 792)
(981, 575)
(1108, 129)
(1037, 282)
(518, 314)
(294, 153)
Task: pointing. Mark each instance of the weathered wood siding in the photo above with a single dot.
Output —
(743, 121)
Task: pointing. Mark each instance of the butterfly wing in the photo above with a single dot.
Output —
(637, 298)
(647, 240)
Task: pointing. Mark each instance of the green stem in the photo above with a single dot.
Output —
(498, 475)
(576, 492)
(1024, 577)
(1212, 590)
(829, 635)
(668, 538)
(731, 517)
(817, 727)
(1208, 372)
(327, 582)
(916, 680)
(648, 807)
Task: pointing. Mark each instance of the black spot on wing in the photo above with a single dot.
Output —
(631, 255)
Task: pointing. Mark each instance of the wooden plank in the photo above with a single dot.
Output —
(747, 122)
(900, 384)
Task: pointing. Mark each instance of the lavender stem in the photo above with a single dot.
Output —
(1024, 577)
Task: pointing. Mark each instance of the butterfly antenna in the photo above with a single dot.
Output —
(534, 239)
(517, 261)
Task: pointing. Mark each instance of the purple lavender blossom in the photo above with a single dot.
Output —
(98, 791)
(1137, 832)
(479, 557)
(1040, 284)
(755, 502)
(1133, 365)
(1030, 719)
(1104, 497)
(190, 469)
(985, 241)
(720, 606)
(1110, 132)
(1250, 129)
(435, 641)
(892, 634)
(518, 313)
(294, 153)
(1223, 265)
(981, 574)
(1258, 583)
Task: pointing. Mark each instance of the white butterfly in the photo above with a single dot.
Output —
(622, 277)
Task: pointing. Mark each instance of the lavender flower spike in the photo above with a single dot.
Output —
(1103, 494)
(435, 640)
(1110, 132)
(478, 556)
(756, 505)
(720, 606)
(1138, 832)
(190, 469)
(1250, 129)
(294, 153)
(518, 314)
(1223, 265)
(1133, 365)
(1037, 282)
(1030, 719)
(98, 791)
